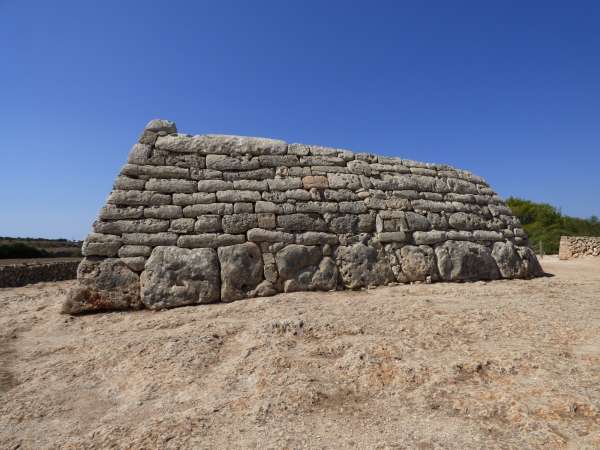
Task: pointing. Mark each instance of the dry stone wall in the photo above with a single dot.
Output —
(24, 273)
(202, 219)
(577, 246)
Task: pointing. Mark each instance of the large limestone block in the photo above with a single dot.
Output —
(177, 276)
(465, 261)
(303, 268)
(241, 270)
(98, 244)
(362, 266)
(326, 276)
(293, 259)
(416, 263)
(103, 284)
(532, 267)
(508, 260)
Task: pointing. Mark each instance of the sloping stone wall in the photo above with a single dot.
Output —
(201, 219)
(577, 246)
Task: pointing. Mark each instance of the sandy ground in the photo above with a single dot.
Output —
(504, 364)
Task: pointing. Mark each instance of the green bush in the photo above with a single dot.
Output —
(545, 224)
(19, 250)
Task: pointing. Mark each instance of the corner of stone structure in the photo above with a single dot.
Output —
(156, 128)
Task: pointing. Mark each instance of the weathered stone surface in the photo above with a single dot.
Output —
(177, 277)
(429, 237)
(367, 219)
(210, 240)
(266, 220)
(239, 223)
(531, 265)
(343, 181)
(241, 270)
(112, 212)
(161, 126)
(103, 284)
(284, 184)
(267, 207)
(250, 185)
(243, 207)
(261, 235)
(151, 239)
(98, 244)
(131, 226)
(298, 263)
(194, 199)
(238, 196)
(278, 160)
(143, 154)
(208, 208)
(347, 223)
(135, 263)
(206, 174)
(465, 261)
(416, 263)
(316, 207)
(135, 198)
(322, 161)
(393, 236)
(326, 276)
(256, 174)
(316, 181)
(361, 266)
(301, 222)
(171, 186)
(353, 207)
(264, 289)
(128, 251)
(208, 224)
(223, 162)
(465, 221)
(126, 183)
(163, 212)
(135, 170)
(214, 185)
(508, 260)
(316, 238)
(576, 246)
(298, 194)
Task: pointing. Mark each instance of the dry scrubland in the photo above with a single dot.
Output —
(503, 364)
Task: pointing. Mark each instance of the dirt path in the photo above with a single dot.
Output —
(505, 364)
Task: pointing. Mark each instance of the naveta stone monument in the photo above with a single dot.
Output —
(212, 218)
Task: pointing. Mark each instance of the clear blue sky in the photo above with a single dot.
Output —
(507, 89)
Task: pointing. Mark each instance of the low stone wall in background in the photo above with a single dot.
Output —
(21, 274)
(576, 246)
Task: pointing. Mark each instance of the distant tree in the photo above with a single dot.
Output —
(545, 224)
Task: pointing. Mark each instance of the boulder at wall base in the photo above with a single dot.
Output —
(326, 277)
(362, 266)
(416, 263)
(303, 268)
(516, 262)
(177, 276)
(508, 260)
(532, 267)
(103, 284)
(465, 261)
(241, 270)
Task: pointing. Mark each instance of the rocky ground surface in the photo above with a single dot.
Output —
(502, 364)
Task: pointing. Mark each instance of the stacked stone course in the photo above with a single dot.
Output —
(578, 246)
(200, 219)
